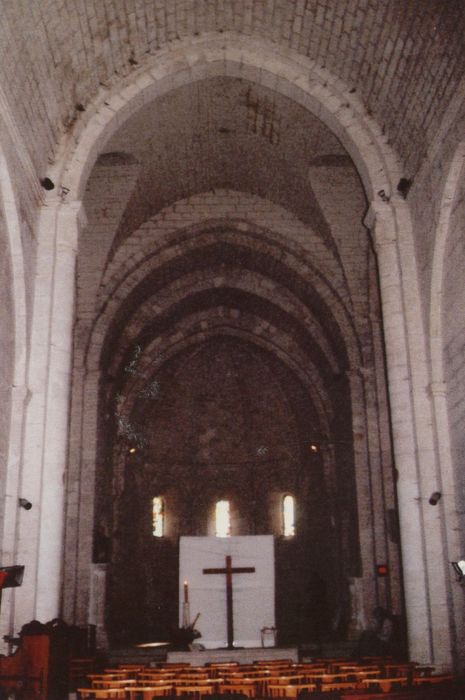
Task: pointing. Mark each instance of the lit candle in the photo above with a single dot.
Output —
(186, 592)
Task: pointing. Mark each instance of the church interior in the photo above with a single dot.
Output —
(233, 307)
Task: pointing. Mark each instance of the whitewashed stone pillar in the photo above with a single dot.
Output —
(97, 603)
(364, 589)
(12, 512)
(424, 577)
(451, 511)
(408, 491)
(40, 546)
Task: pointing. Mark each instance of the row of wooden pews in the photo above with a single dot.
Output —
(343, 678)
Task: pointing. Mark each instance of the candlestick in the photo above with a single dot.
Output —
(186, 592)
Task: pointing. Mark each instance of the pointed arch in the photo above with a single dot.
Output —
(328, 98)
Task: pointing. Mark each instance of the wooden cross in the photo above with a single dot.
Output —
(229, 571)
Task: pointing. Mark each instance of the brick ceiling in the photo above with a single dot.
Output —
(225, 133)
(404, 58)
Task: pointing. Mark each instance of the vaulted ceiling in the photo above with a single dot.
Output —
(403, 58)
(225, 133)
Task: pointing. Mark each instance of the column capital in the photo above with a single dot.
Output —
(71, 219)
(378, 219)
(438, 388)
(74, 208)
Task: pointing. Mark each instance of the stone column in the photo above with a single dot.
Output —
(97, 603)
(451, 511)
(363, 589)
(40, 545)
(404, 436)
(12, 512)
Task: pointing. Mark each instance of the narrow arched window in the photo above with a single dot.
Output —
(158, 516)
(222, 519)
(288, 513)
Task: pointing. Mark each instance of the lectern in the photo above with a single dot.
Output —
(10, 577)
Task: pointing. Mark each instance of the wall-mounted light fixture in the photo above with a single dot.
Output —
(24, 503)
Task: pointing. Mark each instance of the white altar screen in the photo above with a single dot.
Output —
(253, 593)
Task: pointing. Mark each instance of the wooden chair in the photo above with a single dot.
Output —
(290, 690)
(261, 682)
(244, 686)
(117, 672)
(195, 691)
(105, 677)
(338, 686)
(360, 675)
(180, 683)
(112, 683)
(288, 680)
(101, 693)
(148, 692)
(238, 675)
(310, 669)
(239, 688)
(328, 677)
(198, 673)
(433, 680)
(219, 669)
(385, 684)
(359, 667)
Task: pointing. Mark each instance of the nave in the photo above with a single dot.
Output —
(231, 268)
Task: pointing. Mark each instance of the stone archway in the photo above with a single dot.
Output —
(232, 422)
(404, 334)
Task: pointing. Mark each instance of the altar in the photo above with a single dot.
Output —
(242, 656)
(226, 584)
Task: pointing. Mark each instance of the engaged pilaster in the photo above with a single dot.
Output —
(41, 528)
(415, 573)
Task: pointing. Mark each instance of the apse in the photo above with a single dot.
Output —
(226, 393)
(223, 420)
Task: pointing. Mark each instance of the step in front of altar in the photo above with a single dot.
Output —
(243, 656)
(146, 656)
(154, 654)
